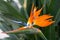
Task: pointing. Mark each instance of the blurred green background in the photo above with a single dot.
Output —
(12, 12)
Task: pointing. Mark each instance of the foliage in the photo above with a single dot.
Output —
(11, 14)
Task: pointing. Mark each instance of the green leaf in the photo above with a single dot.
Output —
(42, 35)
(10, 11)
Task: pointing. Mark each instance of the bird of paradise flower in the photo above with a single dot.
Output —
(34, 19)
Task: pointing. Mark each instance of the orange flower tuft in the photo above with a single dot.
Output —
(41, 21)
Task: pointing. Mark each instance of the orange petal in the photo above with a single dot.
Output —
(32, 9)
(30, 20)
(43, 23)
(36, 13)
(44, 17)
(35, 9)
